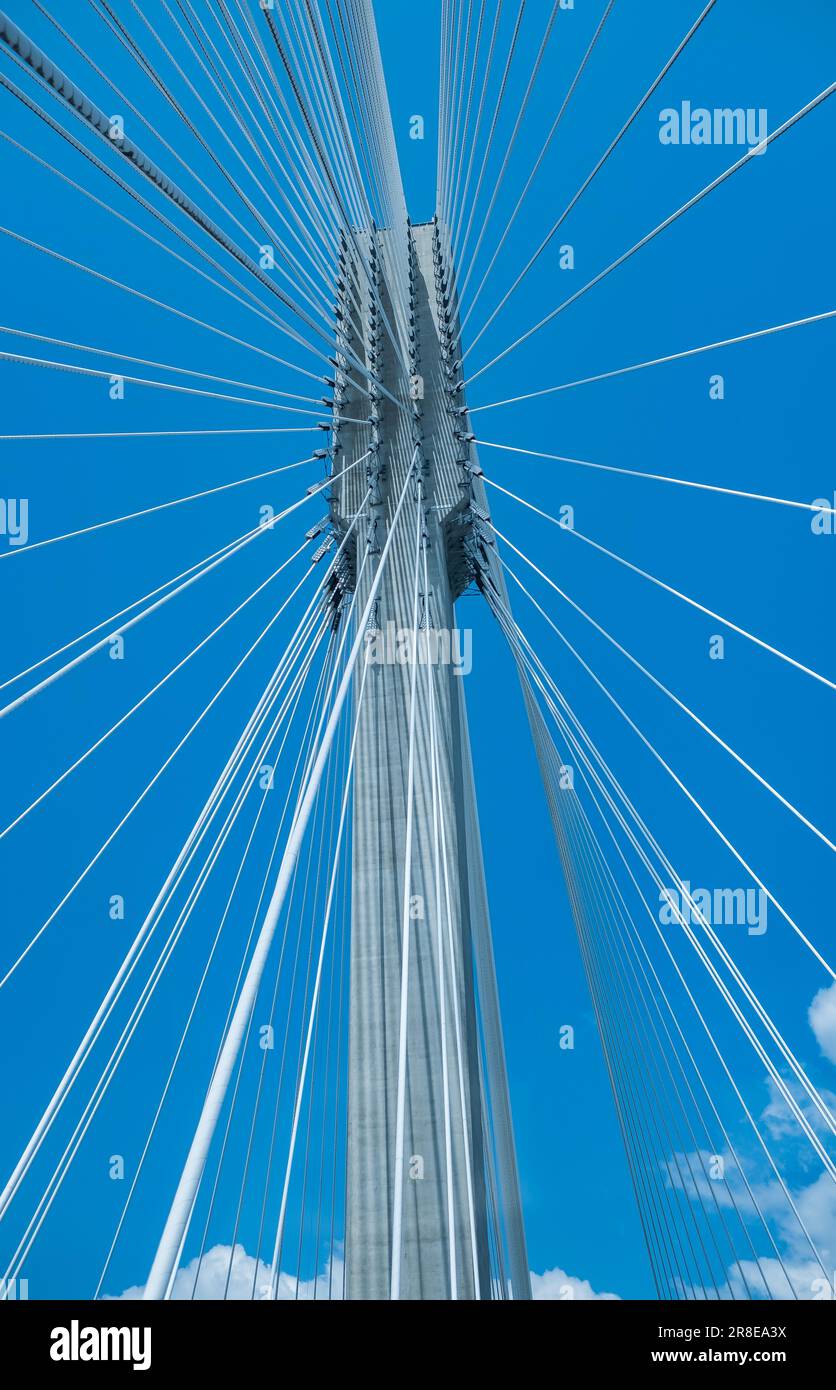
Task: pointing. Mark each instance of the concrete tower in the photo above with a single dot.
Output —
(457, 1119)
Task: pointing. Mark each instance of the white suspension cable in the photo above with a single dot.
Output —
(660, 478)
(195, 573)
(668, 221)
(600, 164)
(658, 361)
(406, 895)
(668, 588)
(726, 958)
(160, 507)
(509, 222)
(314, 1004)
(165, 1262)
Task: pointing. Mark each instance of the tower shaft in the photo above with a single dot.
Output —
(443, 1195)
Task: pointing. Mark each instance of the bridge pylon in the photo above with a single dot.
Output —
(431, 1171)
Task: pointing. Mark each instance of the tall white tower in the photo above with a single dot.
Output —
(425, 1034)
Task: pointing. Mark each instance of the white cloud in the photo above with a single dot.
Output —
(822, 1019)
(816, 1205)
(797, 1273)
(804, 1281)
(212, 1278)
(779, 1119)
(554, 1284)
(702, 1176)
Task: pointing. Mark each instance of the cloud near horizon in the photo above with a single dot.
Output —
(214, 1268)
(822, 1019)
(555, 1284)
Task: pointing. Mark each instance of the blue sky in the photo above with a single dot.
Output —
(757, 252)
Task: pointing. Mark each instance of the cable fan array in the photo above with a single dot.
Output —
(720, 1216)
(196, 173)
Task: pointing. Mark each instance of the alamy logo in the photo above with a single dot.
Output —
(724, 907)
(77, 1343)
(724, 125)
(823, 520)
(14, 519)
(401, 646)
